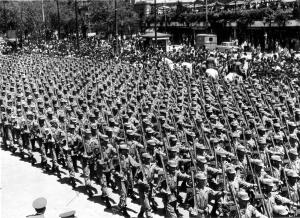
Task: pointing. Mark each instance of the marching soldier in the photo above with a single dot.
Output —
(169, 189)
(295, 161)
(27, 126)
(146, 185)
(124, 176)
(246, 209)
(104, 165)
(7, 130)
(241, 162)
(68, 150)
(271, 199)
(276, 166)
(17, 131)
(203, 196)
(41, 141)
(293, 186)
(88, 145)
(235, 183)
(50, 142)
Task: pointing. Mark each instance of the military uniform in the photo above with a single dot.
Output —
(39, 205)
(88, 146)
(104, 166)
(169, 188)
(124, 175)
(146, 184)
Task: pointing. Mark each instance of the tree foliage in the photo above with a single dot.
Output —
(103, 17)
(242, 17)
(27, 16)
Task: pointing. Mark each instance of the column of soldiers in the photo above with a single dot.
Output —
(212, 147)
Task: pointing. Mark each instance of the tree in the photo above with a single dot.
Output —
(9, 16)
(27, 17)
(103, 17)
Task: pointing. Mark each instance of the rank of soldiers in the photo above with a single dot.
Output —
(209, 146)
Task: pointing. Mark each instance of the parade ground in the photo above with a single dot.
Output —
(21, 184)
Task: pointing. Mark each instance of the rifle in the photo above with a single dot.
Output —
(101, 152)
(125, 136)
(145, 178)
(256, 180)
(269, 162)
(235, 201)
(292, 87)
(250, 101)
(165, 174)
(194, 192)
(225, 117)
(160, 131)
(264, 152)
(83, 142)
(223, 174)
(237, 106)
(174, 123)
(287, 184)
(142, 128)
(200, 133)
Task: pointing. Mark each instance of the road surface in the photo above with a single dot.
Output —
(21, 183)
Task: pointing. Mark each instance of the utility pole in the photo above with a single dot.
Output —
(116, 27)
(165, 17)
(44, 23)
(155, 25)
(22, 24)
(58, 18)
(5, 18)
(206, 15)
(77, 31)
(43, 12)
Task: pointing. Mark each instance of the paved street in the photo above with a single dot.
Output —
(21, 183)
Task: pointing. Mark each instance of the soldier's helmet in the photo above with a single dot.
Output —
(243, 196)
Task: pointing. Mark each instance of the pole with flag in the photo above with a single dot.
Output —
(43, 12)
(155, 24)
(43, 18)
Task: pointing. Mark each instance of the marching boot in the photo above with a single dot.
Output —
(154, 205)
(178, 213)
(72, 181)
(43, 164)
(62, 161)
(97, 180)
(53, 169)
(107, 203)
(113, 186)
(89, 191)
(131, 194)
(5, 146)
(141, 214)
(13, 149)
(12, 146)
(74, 161)
(47, 167)
(32, 160)
(22, 154)
(124, 212)
(58, 172)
